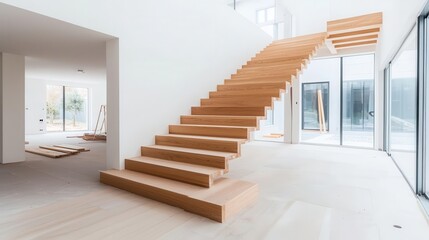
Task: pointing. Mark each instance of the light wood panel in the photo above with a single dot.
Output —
(73, 147)
(46, 152)
(200, 142)
(354, 32)
(229, 111)
(281, 80)
(359, 23)
(252, 86)
(184, 172)
(356, 44)
(260, 79)
(59, 149)
(272, 92)
(245, 101)
(355, 39)
(201, 157)
(246, 121)
(360, 33)
(225, 198)
(211, 130)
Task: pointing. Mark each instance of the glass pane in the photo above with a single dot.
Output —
(403, 102)
(270, 14)
(358, 101)
(323, 74)
(260, 16)
(255, 11)
(54, 108)
(76, 117)
(315, 97)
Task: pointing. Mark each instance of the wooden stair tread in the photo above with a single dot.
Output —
(240, 140)
(211, 130)
(247, 121)
(214, 126)
(226, 155)
(229, 187)
(225, 198)
(179, 165)
(223, 116)
(229, 111)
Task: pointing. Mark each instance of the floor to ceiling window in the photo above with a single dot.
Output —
(341, 89)
(358, 101)
(403, 108)
(66, 108)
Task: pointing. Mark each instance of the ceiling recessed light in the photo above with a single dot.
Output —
(80, 71)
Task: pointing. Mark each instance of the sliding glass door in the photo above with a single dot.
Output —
(402, 117)
(54, 108)
(358, 101)
(76, 106)
(66, 108)
(341, 90)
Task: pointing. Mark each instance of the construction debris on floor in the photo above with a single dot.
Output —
(274, 135)
(91, 137)
(56, 151)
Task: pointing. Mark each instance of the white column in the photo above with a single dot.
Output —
(296, 110)
(379, 105)
(114, 161)
(288, 114)
(12, 119)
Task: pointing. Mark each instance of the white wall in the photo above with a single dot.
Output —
(35, 102)
(35, 106)
(12, 105)
(171, 54)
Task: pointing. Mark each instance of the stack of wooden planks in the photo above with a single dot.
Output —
(56, 151)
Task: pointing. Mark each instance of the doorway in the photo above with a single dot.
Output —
(342, 90)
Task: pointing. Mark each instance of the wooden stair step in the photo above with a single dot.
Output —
(261, 81)
(200, 142)
(240, 101)
(233, 111)
(211, 130)
(271, 92)
(264, 76)
(201, 157)
(224, 199)
(245, 121)
(279, 59)
(184, 172)
(248, 86)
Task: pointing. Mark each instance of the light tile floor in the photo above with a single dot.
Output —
(306, 192)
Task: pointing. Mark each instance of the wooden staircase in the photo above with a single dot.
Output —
(185, 167)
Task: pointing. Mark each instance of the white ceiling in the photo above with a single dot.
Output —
(54, 49)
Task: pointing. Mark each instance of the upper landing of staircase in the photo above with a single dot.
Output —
(354, 33)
